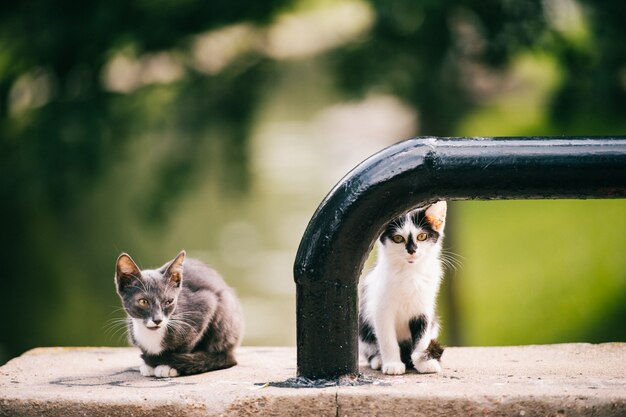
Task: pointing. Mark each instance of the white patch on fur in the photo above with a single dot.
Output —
(430, 366)
(434, 330)
(394, 368)
(146, 370)
(165, 371)
(148, 340)
(376, 362)
(401, 287)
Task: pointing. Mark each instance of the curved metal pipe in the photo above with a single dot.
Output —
(416, 172)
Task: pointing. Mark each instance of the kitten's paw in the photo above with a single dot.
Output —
(394, 368)
(165, 371)
(376, 362)
(429, 366)
(146, 370)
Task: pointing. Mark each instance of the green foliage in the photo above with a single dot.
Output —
(555, 274)
(435, 54)
(422, 52)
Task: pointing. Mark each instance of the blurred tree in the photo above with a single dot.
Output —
(592, 94)
(63, 48)
(434, 55)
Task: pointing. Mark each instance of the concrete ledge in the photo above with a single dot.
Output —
(569, 379)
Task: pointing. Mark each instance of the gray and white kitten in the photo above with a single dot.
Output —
(398, 326)
(182, 316)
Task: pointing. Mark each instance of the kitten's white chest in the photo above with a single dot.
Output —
(148, 340)
(396, 297)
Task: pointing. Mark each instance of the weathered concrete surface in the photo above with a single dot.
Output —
(571, 379)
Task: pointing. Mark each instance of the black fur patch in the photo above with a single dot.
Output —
(418, 218)
(392, 228)
(411, 247)
(435, 350)
(406, 348)
(418, 326)
(366, 332)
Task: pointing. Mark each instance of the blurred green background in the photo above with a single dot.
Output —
(218, 127)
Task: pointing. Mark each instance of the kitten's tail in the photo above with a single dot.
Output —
(198, 362)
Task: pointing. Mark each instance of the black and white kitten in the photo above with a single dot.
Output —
(398, 326)
(182, 316)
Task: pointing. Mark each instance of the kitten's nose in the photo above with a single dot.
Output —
(157, 321)
(411, 247)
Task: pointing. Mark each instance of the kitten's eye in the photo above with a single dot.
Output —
(422, 237)
(397, 238)
(168, 302)
(143, 302)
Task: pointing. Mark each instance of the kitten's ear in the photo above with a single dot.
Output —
(174, 271)
(125, 271)
(436, 215)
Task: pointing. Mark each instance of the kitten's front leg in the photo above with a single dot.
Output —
(153, 366)
(165, 371)
(389, 348)
(146, 370)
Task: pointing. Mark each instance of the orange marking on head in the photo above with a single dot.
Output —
(436, 223)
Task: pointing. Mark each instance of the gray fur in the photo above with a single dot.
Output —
(203, 319)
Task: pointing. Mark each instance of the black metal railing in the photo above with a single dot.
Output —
(416, 172)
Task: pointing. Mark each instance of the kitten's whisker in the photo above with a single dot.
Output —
(116, 328)
(119, 335)
(181, 329)
(191, 315)
(180, 322)
(453, 263)
(116, 321)
(176, 326)
(140, 281)
(173, 327)
(450, 260)
(116, 309)
(145, 285)
(187, 314)
(142, 288)
(451, 253)
(184, 324)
